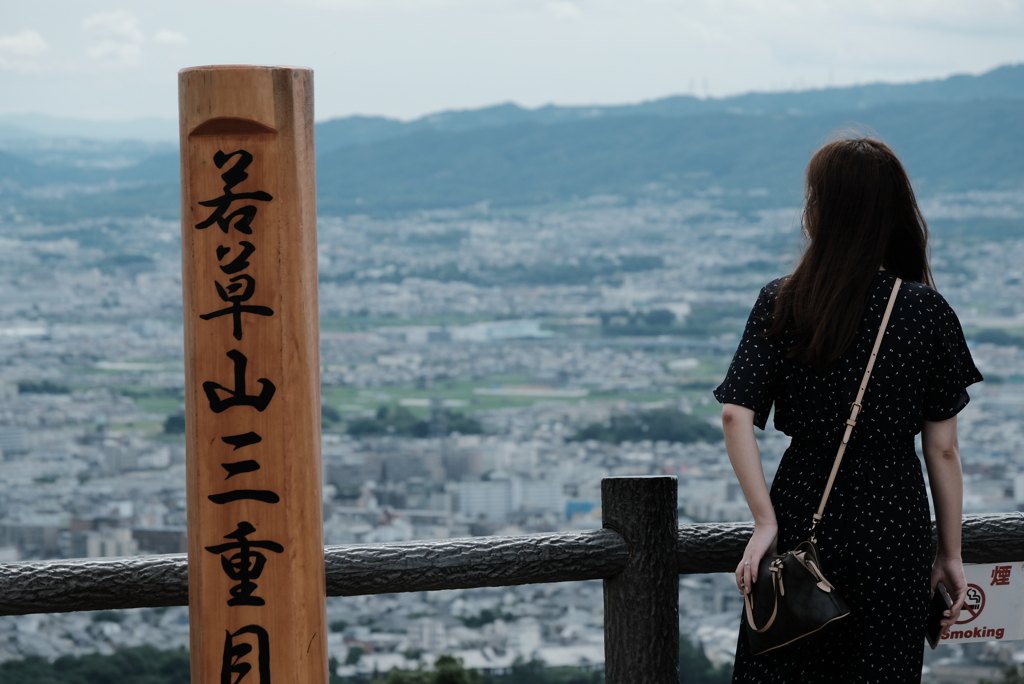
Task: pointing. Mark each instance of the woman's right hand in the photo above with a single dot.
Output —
(950, 571)
(762, 543)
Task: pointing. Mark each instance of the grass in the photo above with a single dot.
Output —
(971, 330)
(367, 323)
(349, 400)
(148, 428)
(160, 405)
(712, 408)
(694, 385)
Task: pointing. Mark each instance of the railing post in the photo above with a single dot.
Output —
(641, 604)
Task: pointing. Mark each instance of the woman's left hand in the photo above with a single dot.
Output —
(950, 571)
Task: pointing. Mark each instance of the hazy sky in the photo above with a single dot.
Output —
(404, 58)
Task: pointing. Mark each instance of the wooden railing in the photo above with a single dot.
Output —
(639, 554)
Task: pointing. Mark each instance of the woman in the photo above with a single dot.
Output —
(804, 350)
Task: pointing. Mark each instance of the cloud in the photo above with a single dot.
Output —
(119, 37)
(564, 9)
(386, 5)
(170, 37)
(25, 44)
(21, 51)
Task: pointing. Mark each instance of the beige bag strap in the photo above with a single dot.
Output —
(855, 407)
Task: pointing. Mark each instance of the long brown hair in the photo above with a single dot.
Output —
(860, 214)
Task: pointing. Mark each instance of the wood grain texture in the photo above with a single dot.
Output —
(64, 586)
(56, 586)
(252, 374)
(144, 581)
(641, 603)
(477, 562)
(718, 547)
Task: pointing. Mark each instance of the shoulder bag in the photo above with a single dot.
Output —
(791, 598)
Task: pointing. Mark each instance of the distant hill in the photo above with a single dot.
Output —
(970, 145)
(960, 133)
(1006, 82)
(1003, 83)
(41, 125)
(15, 169)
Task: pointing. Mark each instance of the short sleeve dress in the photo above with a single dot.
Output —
(875, 538)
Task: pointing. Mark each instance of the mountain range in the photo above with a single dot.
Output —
(956, 134)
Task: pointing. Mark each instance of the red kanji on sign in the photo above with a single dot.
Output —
(1001, 575)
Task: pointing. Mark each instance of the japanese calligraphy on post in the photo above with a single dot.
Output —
(256, 573)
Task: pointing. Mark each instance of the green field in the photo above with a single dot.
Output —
(370, 323)
(694, 385)
(160, 405)
(349, 400)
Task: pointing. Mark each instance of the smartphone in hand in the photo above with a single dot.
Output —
(939, 605)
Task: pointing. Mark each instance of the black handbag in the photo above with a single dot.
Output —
(791, 598)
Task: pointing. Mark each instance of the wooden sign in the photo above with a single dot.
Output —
(255, 528)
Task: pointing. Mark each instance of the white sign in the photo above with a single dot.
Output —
(994, 609)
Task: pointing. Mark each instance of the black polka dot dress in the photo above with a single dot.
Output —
(875, 539)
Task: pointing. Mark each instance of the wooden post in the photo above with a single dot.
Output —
(641, 603)
(252, 376)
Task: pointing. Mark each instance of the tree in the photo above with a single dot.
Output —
(695, 668)
(175, 424)
(536, 672)
(662, 424)
(43, 387)
(447, 670)
(353, 655)
(400, 421)
(1013, 674)
(31, 670)
(329, 415)
(142, 665)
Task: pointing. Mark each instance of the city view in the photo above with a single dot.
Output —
(493, 343)
(452, 407)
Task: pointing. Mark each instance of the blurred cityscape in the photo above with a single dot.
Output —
(482, 370)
